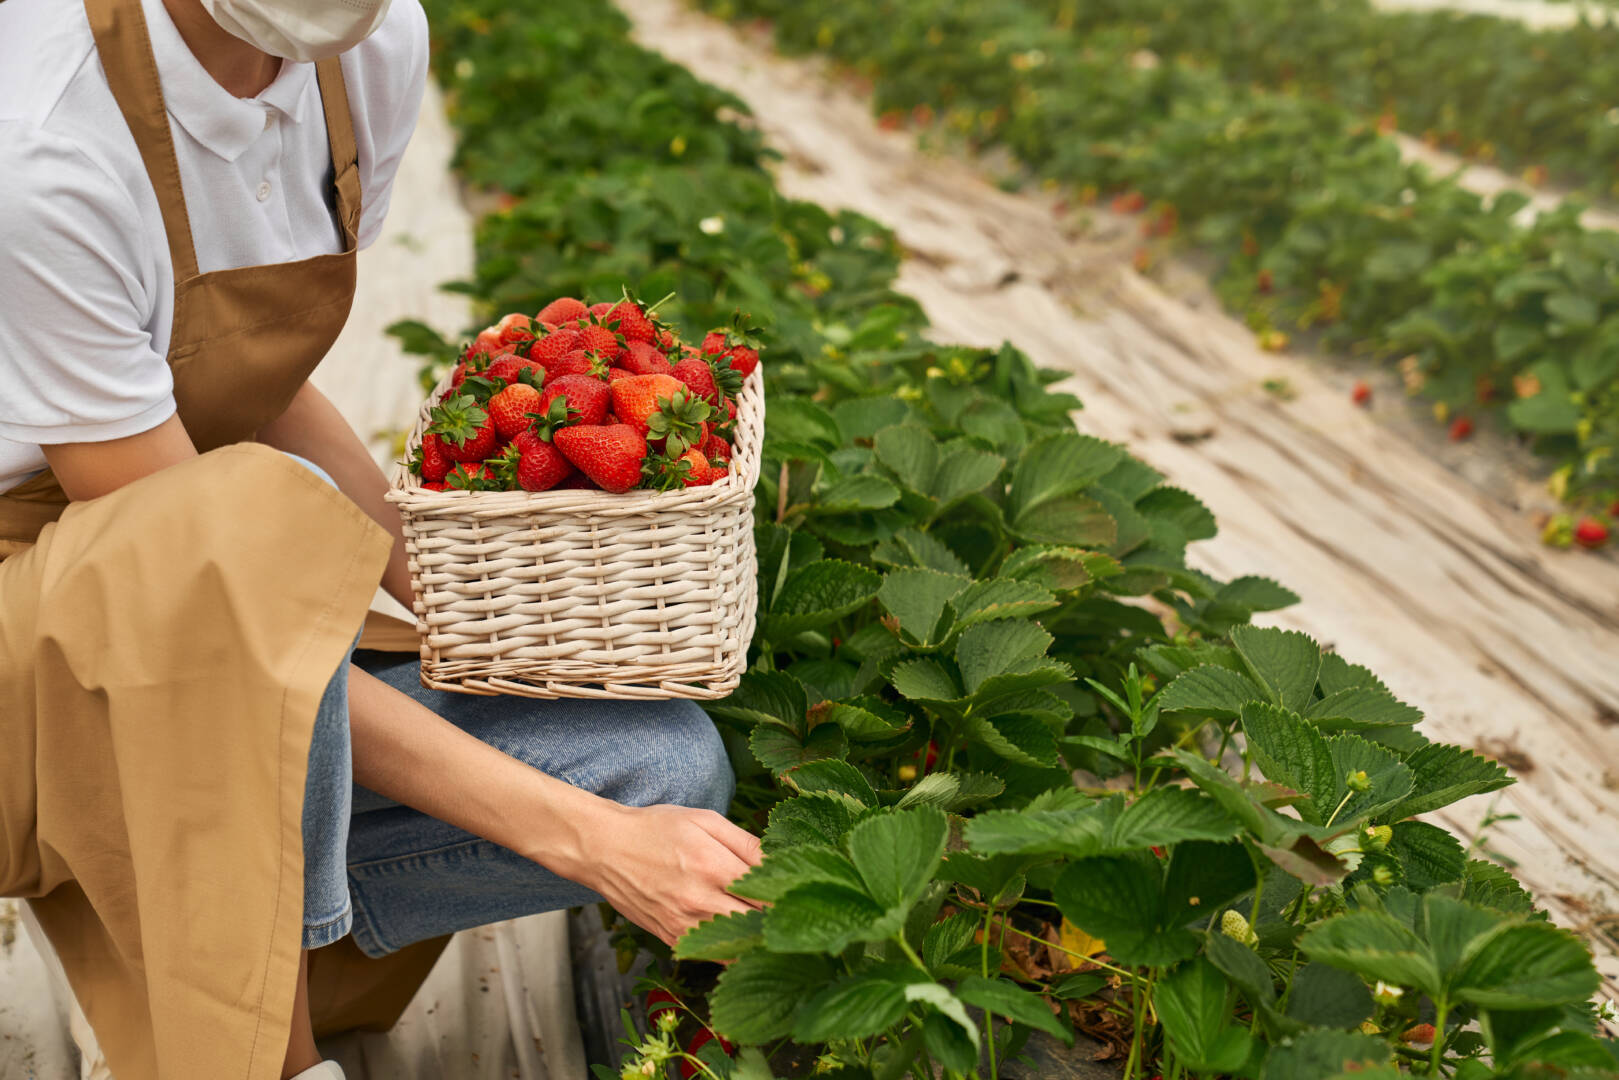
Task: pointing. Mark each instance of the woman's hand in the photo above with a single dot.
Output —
(665, 868)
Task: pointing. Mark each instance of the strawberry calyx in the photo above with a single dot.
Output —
(504, 466)
(458, 419)
(742, 332)
(480, 388)
(559, 414)
(727, 379)
(469, 477)
(663, 472)
(679, 422)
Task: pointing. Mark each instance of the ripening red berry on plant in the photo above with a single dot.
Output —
(1362, 393)
(700, 1040)
(1461, 428)
(1590, 533)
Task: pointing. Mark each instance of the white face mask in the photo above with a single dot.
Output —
(299, 29)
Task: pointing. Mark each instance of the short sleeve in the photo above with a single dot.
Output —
(386, 76)
(76, 357)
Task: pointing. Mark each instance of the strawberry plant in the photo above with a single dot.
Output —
(1313, 215)
(1018, 767)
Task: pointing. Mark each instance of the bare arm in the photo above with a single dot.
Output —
(90, 470)
(666, 868)
(313, 428)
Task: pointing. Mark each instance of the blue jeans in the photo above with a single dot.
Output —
(396, 876)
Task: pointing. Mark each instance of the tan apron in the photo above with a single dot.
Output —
(163, 650)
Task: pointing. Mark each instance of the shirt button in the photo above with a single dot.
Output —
(264, 191)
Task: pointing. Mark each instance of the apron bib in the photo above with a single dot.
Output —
(243, 341)
(163, 650)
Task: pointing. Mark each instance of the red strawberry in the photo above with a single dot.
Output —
(1362, 393)
(578, 362)
(467, 432)
(1131, 202)
(598, 339)
(542, 467)
(715, 448)
(643, 359)
(700, 1040)
(615, 374)
(612, 456)
(554, 346)
(633, 323)
(599, 311)
(509, 367)
(635, 399)
(524, 441)
(430, 462)
(436, 485)
(737, 343)
(699, 471)
(709, 380)
(469, 476)
(587, 395)
(660, 1000)
(1590, 533)
(487, 341)
(563, 310)
(511, 407)
(514, 328)
(1460, 428)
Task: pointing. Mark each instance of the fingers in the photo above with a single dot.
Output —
(741, 843)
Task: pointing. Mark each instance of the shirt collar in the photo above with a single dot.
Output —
(224, 124)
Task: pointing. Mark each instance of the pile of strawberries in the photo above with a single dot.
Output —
(601, 396)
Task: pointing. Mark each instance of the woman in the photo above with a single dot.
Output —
(190, 798)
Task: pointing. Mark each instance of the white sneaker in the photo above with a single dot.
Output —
(326, 1070)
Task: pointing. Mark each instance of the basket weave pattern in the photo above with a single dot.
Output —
(648, 594)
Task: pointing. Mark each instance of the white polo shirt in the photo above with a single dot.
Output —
(86, 286)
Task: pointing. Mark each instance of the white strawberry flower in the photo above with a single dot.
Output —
(712, 226)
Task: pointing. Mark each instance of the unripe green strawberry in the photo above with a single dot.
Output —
(1235, 927)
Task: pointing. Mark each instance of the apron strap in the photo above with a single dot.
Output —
(119, 27)
(334, 98)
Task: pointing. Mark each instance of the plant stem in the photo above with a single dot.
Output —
(1347, 796)
(1135, 1029)
(905, 947)
(1442, 1012)
(983, 957)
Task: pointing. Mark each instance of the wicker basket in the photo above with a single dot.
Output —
(586, 594)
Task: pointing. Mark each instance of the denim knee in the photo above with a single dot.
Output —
(682, 761)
